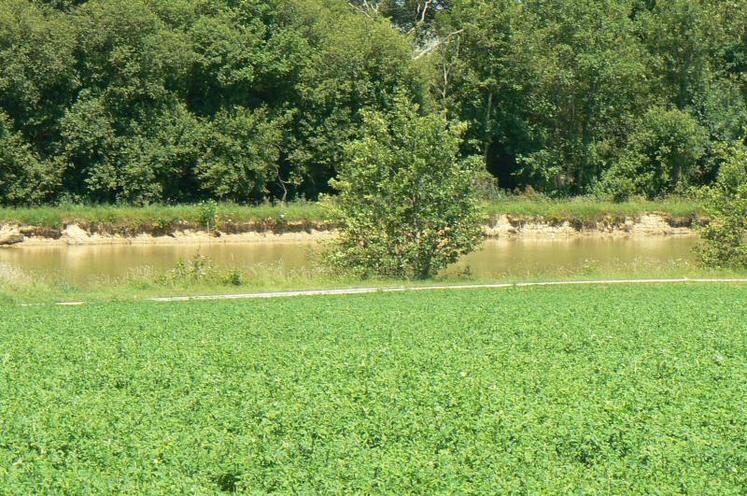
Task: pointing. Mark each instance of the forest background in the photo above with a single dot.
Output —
(177, 101)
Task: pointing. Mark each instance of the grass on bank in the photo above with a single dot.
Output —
(590, 210)
(56, 217)
(605, 390)
(578, 209)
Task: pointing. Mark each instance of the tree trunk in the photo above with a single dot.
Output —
(487, 138)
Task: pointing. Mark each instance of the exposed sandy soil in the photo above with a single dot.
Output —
(500, 227)
(645, 225)
(76, 235)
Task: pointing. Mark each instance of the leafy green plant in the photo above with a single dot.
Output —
(724, 243)
(233, 277)
(661, 157)
(207, 214)
(196, 269)
(406, 206)
(25, 179)
(280, 221)
(199, 271)
(243, 150)
(165, 224)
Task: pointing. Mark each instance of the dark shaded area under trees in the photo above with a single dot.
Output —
(166, 101)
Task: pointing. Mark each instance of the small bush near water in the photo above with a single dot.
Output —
(200, 269)
(545, 391)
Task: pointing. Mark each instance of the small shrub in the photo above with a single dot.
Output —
(164, 225)
(726, 204)
(207, 214)
(233, 277)
(201, 270)
(279, 222)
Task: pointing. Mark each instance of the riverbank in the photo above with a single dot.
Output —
(228, 223)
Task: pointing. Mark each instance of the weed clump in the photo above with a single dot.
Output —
(201, 270)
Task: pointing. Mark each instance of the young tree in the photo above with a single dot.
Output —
(726, 203)
(406, 207)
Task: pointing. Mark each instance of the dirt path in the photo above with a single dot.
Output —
(462, 287)
(355, 291)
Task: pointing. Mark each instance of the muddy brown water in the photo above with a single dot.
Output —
(499, 258)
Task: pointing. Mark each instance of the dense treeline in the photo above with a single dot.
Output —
(146, 101)
(617, 96)
(174, 100)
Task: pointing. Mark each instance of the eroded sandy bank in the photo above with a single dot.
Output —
(500, 227)
(645, 225)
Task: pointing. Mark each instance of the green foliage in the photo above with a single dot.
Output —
(150, 101)
(243, 149)
(158, 161)
(564, 95)
(38, 77)
(543, 391)
(199, 271)
(549, 89)
(661, 157)
(207, 214)
(406, 206)
(234, 277)
(157, 101)
(361, 64)
(24, 178)
(195, 269)
(724, 243)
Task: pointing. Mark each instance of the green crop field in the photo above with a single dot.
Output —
(596, 390)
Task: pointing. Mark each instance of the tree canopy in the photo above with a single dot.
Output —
(164, 101)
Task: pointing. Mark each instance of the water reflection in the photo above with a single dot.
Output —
(503, 257)
(498, 258)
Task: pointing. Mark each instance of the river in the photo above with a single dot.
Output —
(499, 258)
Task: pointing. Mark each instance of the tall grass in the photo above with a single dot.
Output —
(117, 215)
(589, 209)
